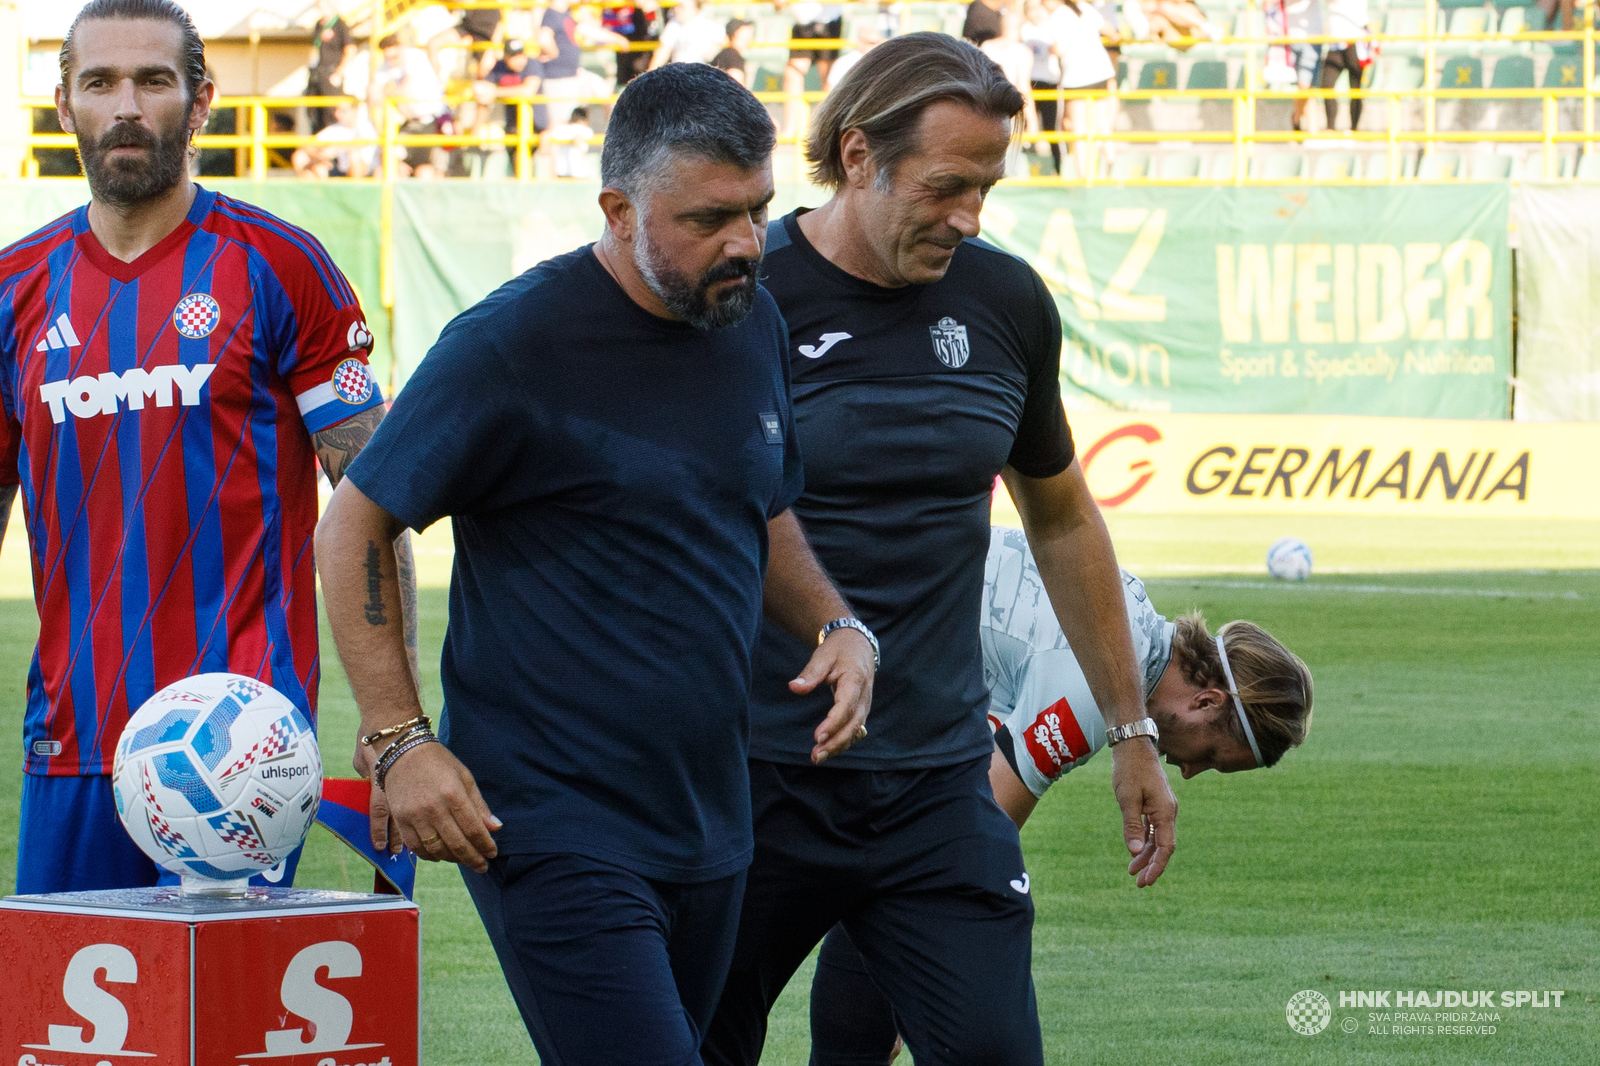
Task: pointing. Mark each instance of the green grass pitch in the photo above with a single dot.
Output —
(1437, 832)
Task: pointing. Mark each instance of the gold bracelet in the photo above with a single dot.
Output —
(421, 719)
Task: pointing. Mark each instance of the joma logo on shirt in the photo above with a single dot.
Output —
(88, 396)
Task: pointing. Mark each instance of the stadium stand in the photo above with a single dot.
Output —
(1456, 90)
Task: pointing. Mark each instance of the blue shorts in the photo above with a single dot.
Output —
(71, 840)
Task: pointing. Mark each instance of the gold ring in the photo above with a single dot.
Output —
(861, 732)
(430, 842)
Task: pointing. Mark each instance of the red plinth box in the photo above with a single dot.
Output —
(150, 977)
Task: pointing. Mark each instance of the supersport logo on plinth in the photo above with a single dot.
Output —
(284, 986)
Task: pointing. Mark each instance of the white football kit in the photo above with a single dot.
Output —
(1045, 718)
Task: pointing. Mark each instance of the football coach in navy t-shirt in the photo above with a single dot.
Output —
(611, 435)
(925, 363)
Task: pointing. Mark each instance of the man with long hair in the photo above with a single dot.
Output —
(171, 363)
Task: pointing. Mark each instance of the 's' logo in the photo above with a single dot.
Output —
(352, 382)
(88, 396)
(819, 350)
(1021, 884)
(950, 343)
(196, 316)
(103, 1011)
(59, 335)
(329, 1013)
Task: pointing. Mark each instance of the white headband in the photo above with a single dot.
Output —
(1227, 671)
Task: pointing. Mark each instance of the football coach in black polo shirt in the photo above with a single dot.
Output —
(611, 434)
(925, 363)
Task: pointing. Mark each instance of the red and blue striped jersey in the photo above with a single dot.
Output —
(158, 418)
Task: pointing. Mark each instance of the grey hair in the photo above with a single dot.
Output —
(681, 109)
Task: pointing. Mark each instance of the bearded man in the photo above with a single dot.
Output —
(611, 434)
(170, 361)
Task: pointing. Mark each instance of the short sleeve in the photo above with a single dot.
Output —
(323, 340)
(453, 438)
(794, 481)
(1043, 447)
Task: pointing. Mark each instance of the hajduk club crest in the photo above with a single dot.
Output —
(950, 343)
(352, 382)
(196, 316)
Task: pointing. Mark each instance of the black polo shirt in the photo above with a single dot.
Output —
(908, 403)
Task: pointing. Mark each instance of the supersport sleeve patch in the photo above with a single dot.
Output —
(350, 390)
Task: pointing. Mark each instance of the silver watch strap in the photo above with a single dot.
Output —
(859, 626)
(1144, 727)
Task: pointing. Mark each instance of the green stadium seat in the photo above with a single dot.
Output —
(1489, 166)
(1461, 72)
(1122, 72)
(1404, 22)
(1208, 74)
(1069, 167)
(1158, 74)
(1378, 166)
(1589, 167)
(767, 80)
(1564, 72)
(1129, 165)
(1533, 168)
(1278, 166)
(1177, 166)
(1513, 72)
(1222, 167)
(1535, 20)
(1467, 21)
(1334, 166)
(1398, 74)
(1438, 166)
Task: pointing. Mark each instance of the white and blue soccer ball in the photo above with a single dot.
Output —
(1289, 559)
(217, 776)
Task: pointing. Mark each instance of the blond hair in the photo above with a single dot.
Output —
(1274, 684)
(885, 94)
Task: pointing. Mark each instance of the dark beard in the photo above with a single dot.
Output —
(690, 300)
(127, 183)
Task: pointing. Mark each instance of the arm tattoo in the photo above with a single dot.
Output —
(374, 604)
(338, 445)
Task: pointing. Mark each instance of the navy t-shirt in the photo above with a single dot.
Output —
(908, 403)
(564, 64)
(610, 475)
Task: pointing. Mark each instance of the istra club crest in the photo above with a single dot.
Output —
(950, 343)
(196, 316)
(352, 383)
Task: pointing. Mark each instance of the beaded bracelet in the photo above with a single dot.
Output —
(397, 749)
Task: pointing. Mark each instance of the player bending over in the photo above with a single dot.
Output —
(1234, 701)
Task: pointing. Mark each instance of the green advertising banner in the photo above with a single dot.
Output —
(344, 217)
(1392, 300)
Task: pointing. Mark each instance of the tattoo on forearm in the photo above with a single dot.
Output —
(338, 445)
(374, 604)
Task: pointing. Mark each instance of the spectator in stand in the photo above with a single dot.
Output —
(693, 35)
(408, 81)
(562, 56)
(639, 23)
(1014, 58)
(332, 49)
(1176, 22)
(571, 142)
(475, 118)
(517, 74)
(478, 26)
(731, 58)
(1347, 19)
(812, 22)
(1085, 64)
(1039, 34)
(1304, 19)
(982, 22)
(867, 35)
(333, 156)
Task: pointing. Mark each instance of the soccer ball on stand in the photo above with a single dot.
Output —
(217, 777)
(1289, 559)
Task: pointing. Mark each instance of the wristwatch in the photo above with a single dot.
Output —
(1144, 727)
(851, 623)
